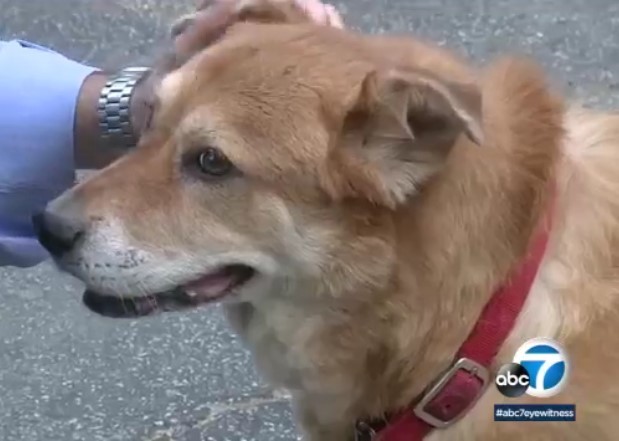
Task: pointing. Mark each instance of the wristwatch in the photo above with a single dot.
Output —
(114, 108)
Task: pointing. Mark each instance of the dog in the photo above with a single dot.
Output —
(354, 202)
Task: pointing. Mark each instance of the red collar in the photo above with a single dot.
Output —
(457, 390)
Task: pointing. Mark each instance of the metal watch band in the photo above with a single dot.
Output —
(114, 108)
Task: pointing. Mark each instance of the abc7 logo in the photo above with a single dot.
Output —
(512, 380)
(539, 369)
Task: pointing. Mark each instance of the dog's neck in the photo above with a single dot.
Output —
(401, 295)
(389, 328)
(457, 242)
(453, 249)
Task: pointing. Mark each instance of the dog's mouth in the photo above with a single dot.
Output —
(207, 289)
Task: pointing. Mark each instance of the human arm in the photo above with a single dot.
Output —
(40, 90)
(49, 124)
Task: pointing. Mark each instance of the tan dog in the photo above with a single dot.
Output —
(354, 201)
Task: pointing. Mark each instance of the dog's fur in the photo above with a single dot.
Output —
(384, 190)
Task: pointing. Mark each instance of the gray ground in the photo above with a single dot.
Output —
(68, 375)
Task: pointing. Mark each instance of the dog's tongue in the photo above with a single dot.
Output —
(211, 286)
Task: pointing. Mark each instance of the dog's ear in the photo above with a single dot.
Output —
(398, 132)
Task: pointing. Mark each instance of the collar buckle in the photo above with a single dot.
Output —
(364, 432)
(453, 394)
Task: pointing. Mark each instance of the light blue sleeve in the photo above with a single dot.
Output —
(39, 90)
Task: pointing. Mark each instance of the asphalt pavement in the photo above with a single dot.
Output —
(67, 375)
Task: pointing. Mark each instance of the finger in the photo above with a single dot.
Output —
(334, 17)
(203, 4)
(182, 24)
(314, 9)
(207, 26)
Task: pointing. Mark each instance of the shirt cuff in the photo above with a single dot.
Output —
(40, 91)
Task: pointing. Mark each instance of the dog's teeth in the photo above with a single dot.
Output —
(191, 294)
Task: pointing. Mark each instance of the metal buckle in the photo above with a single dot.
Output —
(464, 364)
(364, 432)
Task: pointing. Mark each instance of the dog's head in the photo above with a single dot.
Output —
(272, 167)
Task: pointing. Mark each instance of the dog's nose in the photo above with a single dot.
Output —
(59, 227)
(56, 235)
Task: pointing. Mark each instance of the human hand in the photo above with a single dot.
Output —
(200, 29)
(196, 31)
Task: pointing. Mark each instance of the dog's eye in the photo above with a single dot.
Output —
(214, 163)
